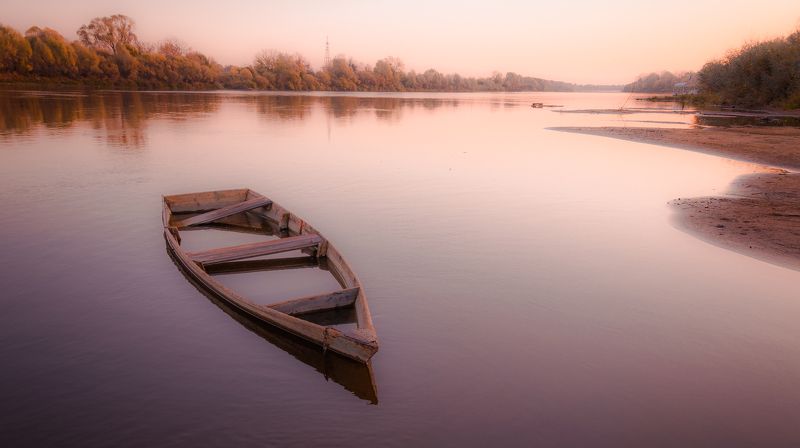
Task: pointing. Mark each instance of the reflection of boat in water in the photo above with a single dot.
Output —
(354, 376)
(337, 321)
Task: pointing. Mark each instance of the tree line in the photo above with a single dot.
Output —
(663, 82)
(757, 74)
(109, 53)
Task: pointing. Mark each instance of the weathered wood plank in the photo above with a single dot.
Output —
(341, 268)
(205, 201)
(278, 214)
(295, 224)
(320, 302)
(255, 249)
(277, 264)
(241, 226)
(225, 212)
(366, 330)
(166, 214)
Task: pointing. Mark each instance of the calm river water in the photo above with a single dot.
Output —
(527, 285)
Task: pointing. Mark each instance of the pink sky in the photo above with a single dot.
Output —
(571, 40)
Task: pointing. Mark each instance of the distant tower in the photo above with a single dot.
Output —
(327, 53)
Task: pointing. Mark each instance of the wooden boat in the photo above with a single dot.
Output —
(246, 210)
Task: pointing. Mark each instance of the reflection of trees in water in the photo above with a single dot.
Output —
(120, 118)
(299, 107)
(290, 107)
(20, 114)
(383, 108)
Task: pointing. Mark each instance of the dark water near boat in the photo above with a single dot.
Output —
(527, 285)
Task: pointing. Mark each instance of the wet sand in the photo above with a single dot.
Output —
(759, 216)
(773, 146)
(760, 213)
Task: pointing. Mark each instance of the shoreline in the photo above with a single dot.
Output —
(777, 147)
(759, 214)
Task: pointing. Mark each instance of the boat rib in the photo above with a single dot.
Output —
(252, 250)
(224, 212)
(319, 302)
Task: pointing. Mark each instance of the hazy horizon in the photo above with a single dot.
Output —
(576, 41)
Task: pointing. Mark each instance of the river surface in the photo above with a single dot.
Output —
(527, 285)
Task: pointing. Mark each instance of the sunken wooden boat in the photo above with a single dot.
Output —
(245, 209)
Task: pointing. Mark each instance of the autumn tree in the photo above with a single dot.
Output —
(127, 64)
(51, 54)
(343, 74)
(15, 51)
(238, 78)
(389, 74)
(410, 81)
(173, 48)
(154, 70)
(663, 82)
(432, 80)
(367, 81)
(110, 34)
(757, 74)
(285, 71)
(87, 60)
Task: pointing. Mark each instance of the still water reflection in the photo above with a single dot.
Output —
(121, 118)
(527, 285)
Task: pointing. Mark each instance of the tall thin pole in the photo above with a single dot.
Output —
(327, 53)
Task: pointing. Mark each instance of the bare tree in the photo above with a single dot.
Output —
(173, 47)
(110, 33)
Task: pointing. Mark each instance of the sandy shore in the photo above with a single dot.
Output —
(760, 214)
(773, 146)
